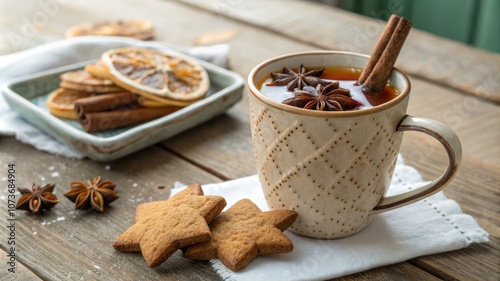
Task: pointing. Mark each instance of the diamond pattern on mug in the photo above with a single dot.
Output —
(326, 157)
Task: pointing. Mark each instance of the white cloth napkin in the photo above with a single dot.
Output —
(430, 226)
(66, 52)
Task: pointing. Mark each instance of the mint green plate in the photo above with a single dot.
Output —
(27, 96)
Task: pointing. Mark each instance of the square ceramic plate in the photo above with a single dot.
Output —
(27, 96)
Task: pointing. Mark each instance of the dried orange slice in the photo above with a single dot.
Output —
(167, 77)
(97, 70)
(138, 29)
(145, 102)
(81, 80)
(215, 37)
(61, 102)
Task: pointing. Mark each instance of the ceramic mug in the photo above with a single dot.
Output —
(334, 168)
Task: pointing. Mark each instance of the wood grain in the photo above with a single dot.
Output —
(475, 188)
(21, 272)
(459, 111)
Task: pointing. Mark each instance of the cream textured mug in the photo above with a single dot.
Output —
(334, 168)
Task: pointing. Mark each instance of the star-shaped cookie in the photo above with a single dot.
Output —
(243, 232)
(162, 227)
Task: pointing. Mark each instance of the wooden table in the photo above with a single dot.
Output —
(452, 83)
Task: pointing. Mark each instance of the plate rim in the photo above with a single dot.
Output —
(6, 89)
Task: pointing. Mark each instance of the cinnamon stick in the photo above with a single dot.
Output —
(106, 120)
(381, 63)
(103, 102)
(379, 47)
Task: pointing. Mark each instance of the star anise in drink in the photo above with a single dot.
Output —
(297, 80)
(93, 194)
(329, 98)
(37, 199)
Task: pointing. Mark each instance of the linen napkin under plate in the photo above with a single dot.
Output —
(433, 225)
(66, 52)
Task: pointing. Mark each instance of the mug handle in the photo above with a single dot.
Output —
(453, 147)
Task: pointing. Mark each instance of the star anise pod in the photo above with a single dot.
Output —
(298, 80)
(93, 194)
(37, 199)
(329, 98)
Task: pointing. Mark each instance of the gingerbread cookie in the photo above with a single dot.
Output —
(162, 227)
(243, 232)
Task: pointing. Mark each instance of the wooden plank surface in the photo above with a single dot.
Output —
(424, 55)
(20, 273)
(67, 244)
(462, 114)
(475, 188)
(221, 148)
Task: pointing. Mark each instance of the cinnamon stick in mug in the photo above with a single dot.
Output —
(379, 68)
(106, 120)
(103, 102)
